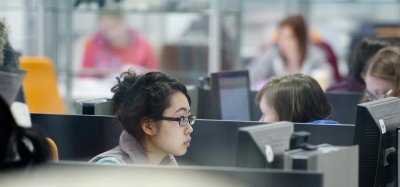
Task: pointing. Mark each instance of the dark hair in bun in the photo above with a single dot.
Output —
(137, 96)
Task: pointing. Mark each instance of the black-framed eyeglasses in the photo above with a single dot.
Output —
(372, 97)
(183, 121)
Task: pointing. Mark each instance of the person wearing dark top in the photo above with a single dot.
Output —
(364, 51)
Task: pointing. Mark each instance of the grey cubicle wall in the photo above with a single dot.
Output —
(214, 142)
(344, 106)
(80, 137)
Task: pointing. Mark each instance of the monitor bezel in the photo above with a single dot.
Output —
(385, 133)
(248, 140)
(215, 91)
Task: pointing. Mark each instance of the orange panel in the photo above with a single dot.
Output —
(40, 85)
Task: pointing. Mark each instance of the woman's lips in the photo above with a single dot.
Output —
(187, 143)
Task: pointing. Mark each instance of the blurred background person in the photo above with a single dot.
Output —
(296, 98)
(292, 54)
(116, 47)
(383, 75)
(364, 51)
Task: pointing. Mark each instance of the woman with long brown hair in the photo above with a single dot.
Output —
(292, 54)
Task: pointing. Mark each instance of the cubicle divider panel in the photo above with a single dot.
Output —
(338, 135)
(79, 137)
(344, 106)
(214, 142)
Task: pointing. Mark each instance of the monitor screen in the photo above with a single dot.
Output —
(233, 95)
(263, 146)
(375, 134)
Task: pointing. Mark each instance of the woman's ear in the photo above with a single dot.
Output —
(148, 126)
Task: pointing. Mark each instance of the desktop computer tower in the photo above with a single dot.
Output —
(339, 164)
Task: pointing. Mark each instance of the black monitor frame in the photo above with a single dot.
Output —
(216, 88)
(398, 155)
(375, 133)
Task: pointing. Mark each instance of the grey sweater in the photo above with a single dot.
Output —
(129, 151)
(271, 64)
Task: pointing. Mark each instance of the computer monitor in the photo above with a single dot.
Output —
(193, 92)
(398, 155)
(231, 95)
(375, 133)
(96, 106)
(263, 146)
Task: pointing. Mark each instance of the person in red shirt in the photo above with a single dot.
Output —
(116, 47)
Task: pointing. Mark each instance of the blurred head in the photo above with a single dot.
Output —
(293, 36)
(295, 98)
(141, 102)
(114, 28)
(365, 50)
(383, 75)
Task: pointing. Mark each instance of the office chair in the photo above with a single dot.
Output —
(53, 150)
(40, 86)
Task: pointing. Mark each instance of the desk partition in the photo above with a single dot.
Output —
(81, 137)
(344, 106)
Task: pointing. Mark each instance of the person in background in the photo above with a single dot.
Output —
(364, 51)
(296, 98)
(382, 77)
(292, 54)
(116, 46)
(154, 110)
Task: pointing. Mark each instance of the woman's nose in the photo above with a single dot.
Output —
(189, 129)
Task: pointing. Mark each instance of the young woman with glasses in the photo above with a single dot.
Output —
(154, 110)
(382, 77)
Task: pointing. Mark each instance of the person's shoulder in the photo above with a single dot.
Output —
(267, 55)
(273, 49)
(109, 160)
(323, 121)
(314, 50)
(137, 36)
